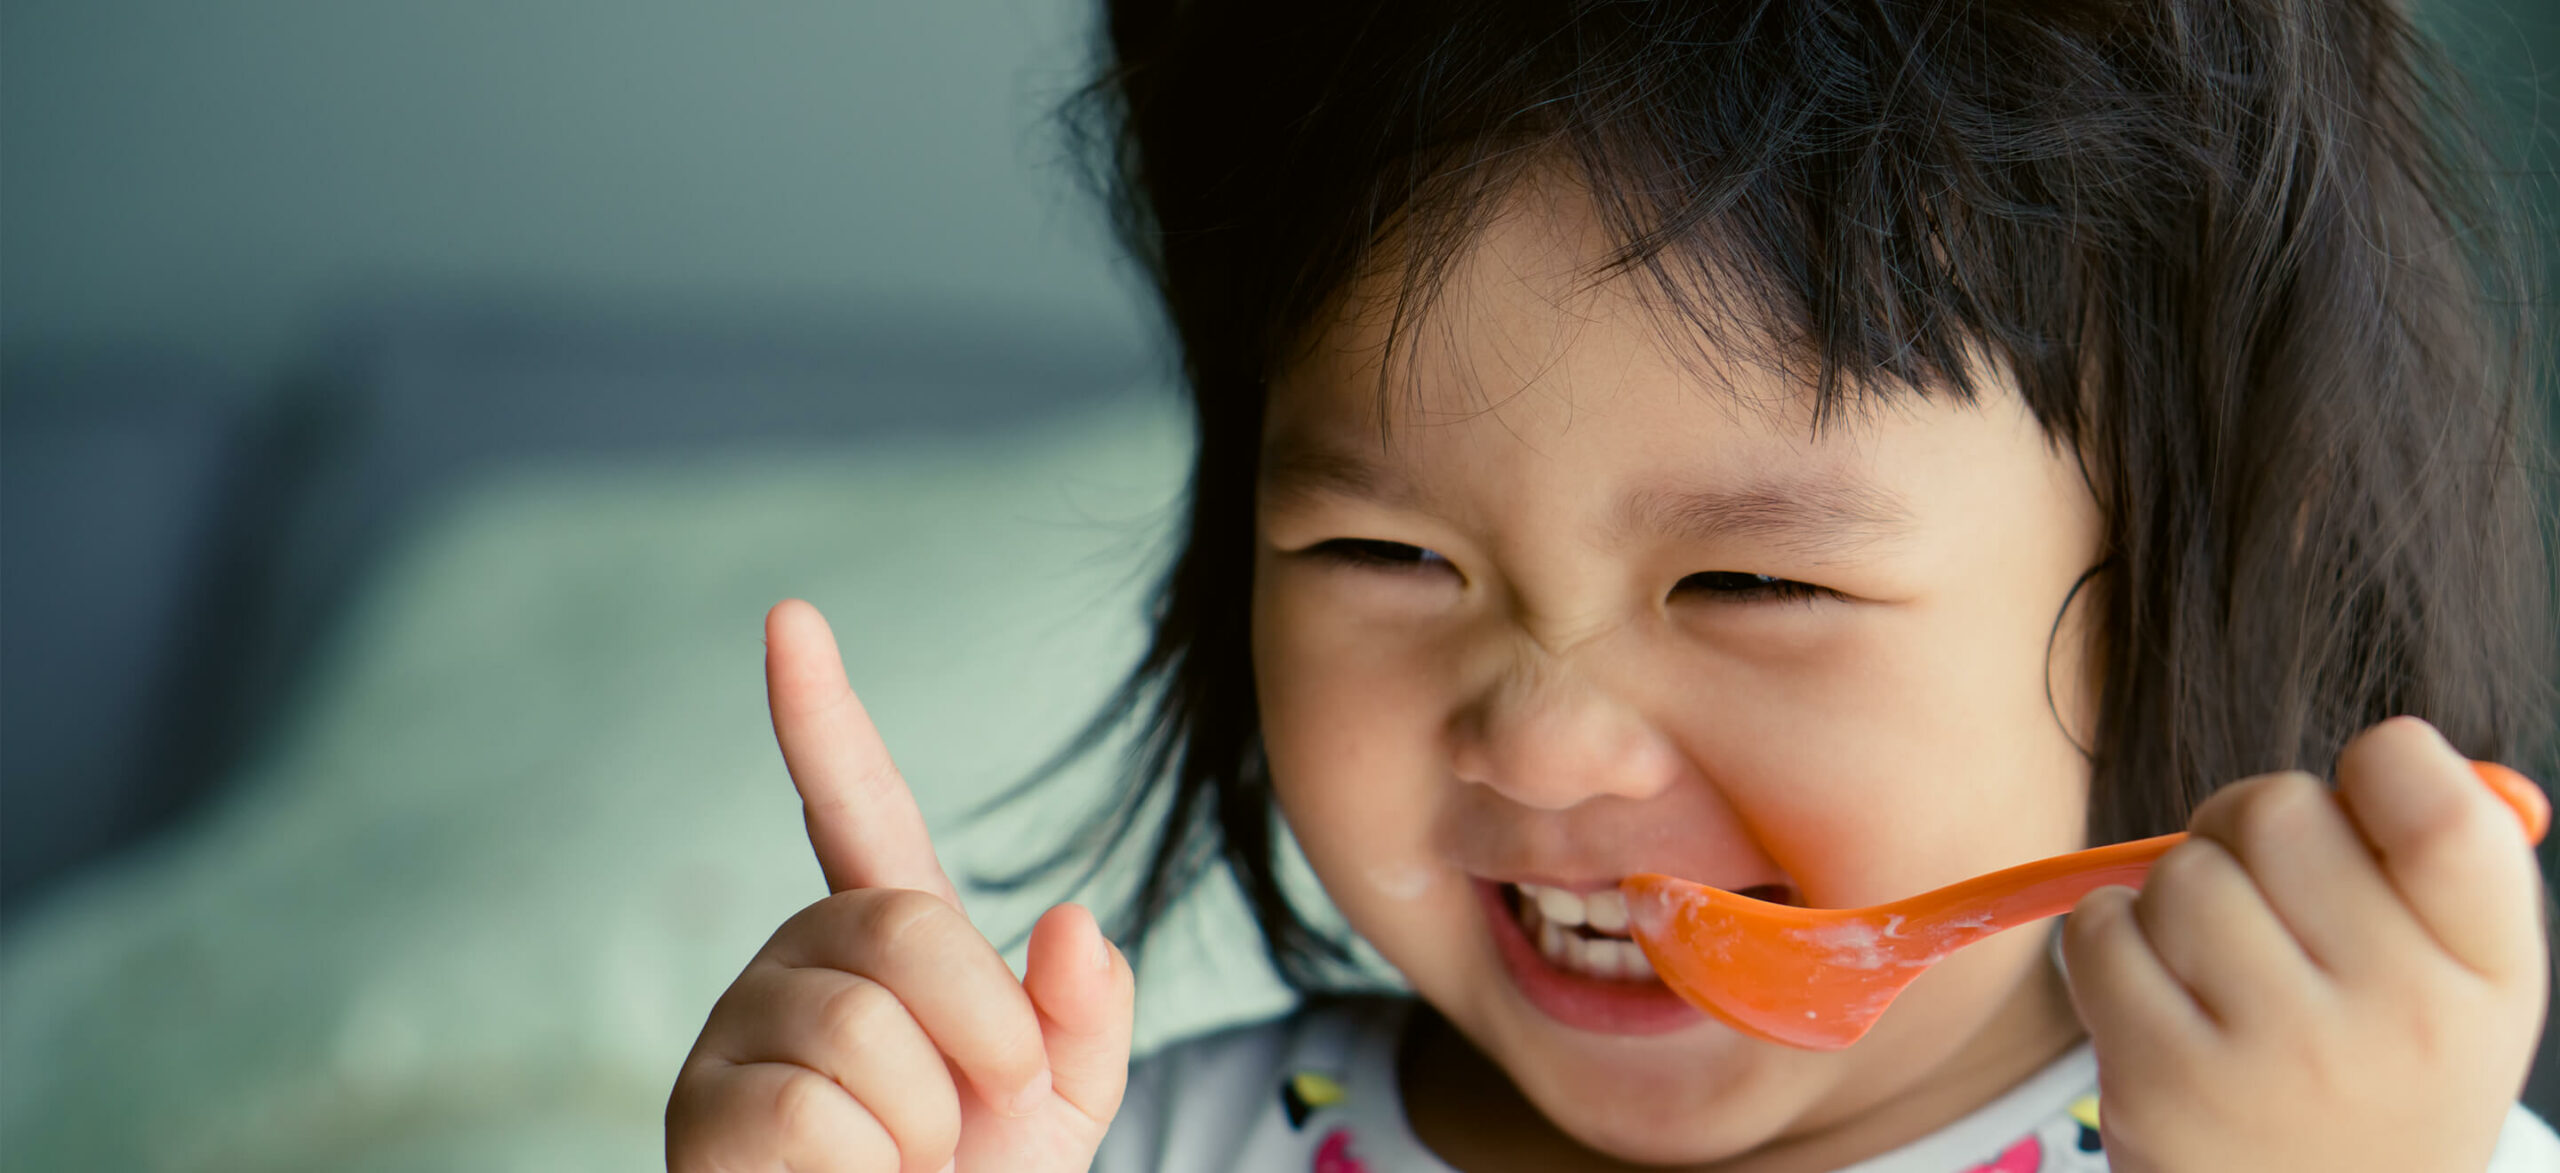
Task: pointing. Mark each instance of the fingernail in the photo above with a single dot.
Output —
(1101, 952)
(1032, 1095)
(951, 1165)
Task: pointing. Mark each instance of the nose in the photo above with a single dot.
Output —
(1550, 738)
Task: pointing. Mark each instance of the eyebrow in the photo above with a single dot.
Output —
(1817, 515)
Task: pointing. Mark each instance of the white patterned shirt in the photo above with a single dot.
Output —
(1316, 1092)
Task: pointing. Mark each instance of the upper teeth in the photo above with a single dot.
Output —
(1605, 910)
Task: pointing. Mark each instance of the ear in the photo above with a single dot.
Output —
(2075, 660)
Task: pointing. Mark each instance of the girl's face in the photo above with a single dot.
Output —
(1564, 610)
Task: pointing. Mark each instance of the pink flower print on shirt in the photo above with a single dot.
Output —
(1334, 1155)
(2026, 1156)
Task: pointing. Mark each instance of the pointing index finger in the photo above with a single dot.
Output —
(862, 820)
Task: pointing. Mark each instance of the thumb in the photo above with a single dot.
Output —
(1086, 996)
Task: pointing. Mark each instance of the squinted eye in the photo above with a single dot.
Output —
(1373, 553)
(1742, 586)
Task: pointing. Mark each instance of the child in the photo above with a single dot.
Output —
(1825, 450)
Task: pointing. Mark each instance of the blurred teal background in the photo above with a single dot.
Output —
(218, 177)
(410, 411)
(406, 412)
(257, 256)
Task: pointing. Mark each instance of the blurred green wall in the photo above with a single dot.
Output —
(216, 177)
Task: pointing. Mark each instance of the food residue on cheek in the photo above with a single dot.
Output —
(1401, 882)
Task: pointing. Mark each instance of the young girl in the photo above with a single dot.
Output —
(1826, 450)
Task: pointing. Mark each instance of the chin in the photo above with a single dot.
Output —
(1655, 1102)
(1667, 1130)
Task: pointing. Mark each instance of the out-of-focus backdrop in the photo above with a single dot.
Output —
(290, 227)
(406, 413)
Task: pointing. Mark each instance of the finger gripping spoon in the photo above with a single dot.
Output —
(1817, 978)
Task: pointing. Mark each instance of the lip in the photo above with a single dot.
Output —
(1571, 999)
(1577, 887)
(1585, 887)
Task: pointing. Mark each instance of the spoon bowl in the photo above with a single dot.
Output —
(1817, 978)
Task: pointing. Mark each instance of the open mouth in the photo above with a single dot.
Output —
(1586, 932)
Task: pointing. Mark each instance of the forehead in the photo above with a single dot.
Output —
(1528, 378)
(1533, 323)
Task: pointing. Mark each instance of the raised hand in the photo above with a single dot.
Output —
(2320, 982)
(878, 1029)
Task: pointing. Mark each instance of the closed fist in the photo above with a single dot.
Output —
(2347, 982)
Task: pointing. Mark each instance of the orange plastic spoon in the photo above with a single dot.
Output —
(1817, 978)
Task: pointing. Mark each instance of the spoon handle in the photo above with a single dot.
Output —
(2028, 892)
(2010, 897)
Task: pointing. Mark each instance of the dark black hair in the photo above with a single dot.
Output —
(2238, 254)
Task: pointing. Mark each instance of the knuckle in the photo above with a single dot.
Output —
(2178, 903)
(2181, 872)
(2219, 805)
(856, 1014)
(2377, 738)
(901, 919)
(2477, 820)
(803, 1102)
(2277, 812)
(2092, 921)
(2449, 838)
(815, 921)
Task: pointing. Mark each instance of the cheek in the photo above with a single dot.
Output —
(1350, 728)
(1336, 709)
(1911, 750)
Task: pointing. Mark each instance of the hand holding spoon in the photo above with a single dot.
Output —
(1817, 978)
